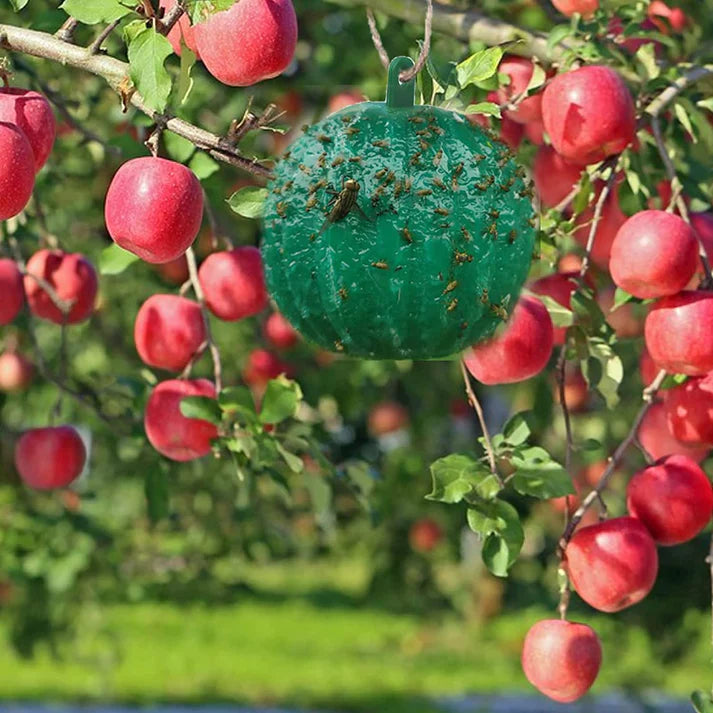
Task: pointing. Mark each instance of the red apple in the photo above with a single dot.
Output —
(588, 114)
(344, 99)
(673, 498)
(554, 176)
(611, 219)
(279, 332)
(647, 369)
(576, 390)
(169, 330)
(535, 132)
(519, 352)
(586, 8)
(559, 287)
(154, 208)
(233, 283)
(11, 289)
(181, 30)
(624, 319)
(387, 417)
(424, 535)
(511, 132)
(17, 171)
(658, 11)
(31, 113)
(520, 70)
(679, 333)
(702, 224)
(174, 272)
(263, 366)
(48, 458)
(15, 371)
(252, 41)
(654, 254)
(613, 564)
(689, 411)
(73, 279)
(561, 659)
(658, 439)
(168, 430)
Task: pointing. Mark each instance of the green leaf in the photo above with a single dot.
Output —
(201, 407)
(702, 702)
(203, 165)
(538, 475)
(458, 475)
(682, 116)
(238, 400)
(294, 463)
(499, 523)
(538, 77)
(557, 34)
(199, 10)
(706, 103)
(244, 444)
(113, 260)
(280, 401)
(185, 80)
(646, 57)
(91, 12)
(584, 195)
(621, 297)
(147, 53)
(179, 149)
(487, 108)
(516, 431)
(248, 202)
(17, 5)
(479, 66)
(611, 368)
(321, 495)
(633, 179)
(559, 314)
(157, 493)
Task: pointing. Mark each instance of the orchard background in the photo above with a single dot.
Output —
(362, 535)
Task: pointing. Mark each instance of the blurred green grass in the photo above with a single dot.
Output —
(301, 638)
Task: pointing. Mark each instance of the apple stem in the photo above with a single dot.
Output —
(473, 401)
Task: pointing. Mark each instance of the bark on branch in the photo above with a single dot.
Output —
(116, 73)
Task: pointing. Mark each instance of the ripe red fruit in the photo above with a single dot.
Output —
(387, 417)
(689, 411)
(154, 208)
(657, 438)
(279, 332)
(168, 331)
(31, 113)
(576, 390)
(554, 176)
(588, 114)
(676, 17)
(624, 320)
(561, 659)
(74, 280)
(15, 372)
(48, 458)
(11, 289)
(520, 70)
(586, 8)
(424, 535)
(168, 430)
(702, 224)
(647, 369)
(520, 351)
(559, 287)
(17, 171)
(611, 219)
(654, 254)
(174, 272)
(234, 283)
(612, 564)
(535, 132)
(679, 335)
(181, 30)
(252, 41)
(673, 498)
(263, 366)
(344, 99)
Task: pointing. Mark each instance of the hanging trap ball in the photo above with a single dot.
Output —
(394, 231)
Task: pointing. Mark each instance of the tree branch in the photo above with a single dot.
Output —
(466, 25)
(116, 73)
(694, 74)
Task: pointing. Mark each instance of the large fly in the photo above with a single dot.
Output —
(343, 203)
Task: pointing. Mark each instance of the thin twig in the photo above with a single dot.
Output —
(200, 298)
(66, 32)
(473, 401)
(407, 74)
(691, 76)
(95, 47)
(165, 25)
